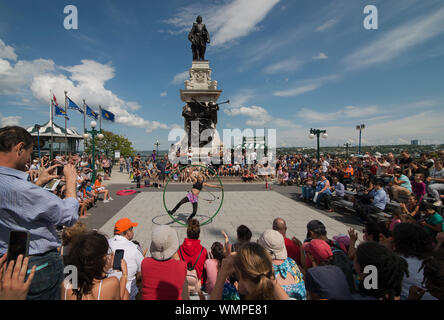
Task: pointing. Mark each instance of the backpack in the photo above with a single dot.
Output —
(192, 278)
(147, 183)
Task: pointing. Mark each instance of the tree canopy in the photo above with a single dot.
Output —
(110, 143)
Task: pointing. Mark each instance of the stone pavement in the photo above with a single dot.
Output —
(255, 209)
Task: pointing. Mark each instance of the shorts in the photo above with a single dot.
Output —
(192, 197)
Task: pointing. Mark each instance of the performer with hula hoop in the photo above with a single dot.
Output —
(193, 196)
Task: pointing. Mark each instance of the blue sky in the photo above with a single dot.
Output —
(284, 64)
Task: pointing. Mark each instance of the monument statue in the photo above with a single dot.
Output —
(199, 37)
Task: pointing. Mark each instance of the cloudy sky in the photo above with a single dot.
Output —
(284, 64)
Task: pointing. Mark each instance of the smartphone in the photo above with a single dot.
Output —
(118, 256)
(52, 185)
(18, 244)
(60, 171)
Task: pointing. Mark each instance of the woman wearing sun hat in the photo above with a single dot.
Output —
(285, 269)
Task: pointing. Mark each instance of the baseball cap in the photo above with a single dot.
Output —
(319, 249)
(124, 224)
(274, 242)
(164, 242)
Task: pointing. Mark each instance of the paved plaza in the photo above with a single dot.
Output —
(250, 205)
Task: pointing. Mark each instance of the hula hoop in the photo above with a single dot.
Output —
(125, 192)
(218, 209)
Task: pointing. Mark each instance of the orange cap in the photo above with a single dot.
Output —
(124, 224)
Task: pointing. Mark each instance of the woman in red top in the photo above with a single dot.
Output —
(191, 248)
(164, 275)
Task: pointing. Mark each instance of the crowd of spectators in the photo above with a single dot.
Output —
(408, 257)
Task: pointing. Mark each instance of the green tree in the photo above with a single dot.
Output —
(110, 143)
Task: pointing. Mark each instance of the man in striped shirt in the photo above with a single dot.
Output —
(26, 206)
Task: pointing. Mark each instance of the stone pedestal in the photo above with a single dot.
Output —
(202, 89)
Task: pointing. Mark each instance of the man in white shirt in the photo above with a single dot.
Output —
(123, 234)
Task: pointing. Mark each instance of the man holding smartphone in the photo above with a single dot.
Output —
(25, 206)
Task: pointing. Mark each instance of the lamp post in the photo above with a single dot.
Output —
(360, 128)
(93, 134)
(347, 145)
(37, 127)
(157, 144)
(317, 133)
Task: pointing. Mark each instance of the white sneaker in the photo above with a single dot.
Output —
(110, 199)
(105, 201)
(437, 203)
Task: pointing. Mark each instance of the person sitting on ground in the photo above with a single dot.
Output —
(285, 269)
(195, 255)
(294, 251)
(68, 236)
(243, 236)
(91, 255)
(326, 283)
(123, 236)
(253, 266)
(433, 270)
(390, 270)
(436, 182)
(164, 275)
(371, 202)
(212, 266)
(401, 188)
(411, 208)
(308, 190)
(99, 188)
(433, 222)
(412, 243)
(419, 187)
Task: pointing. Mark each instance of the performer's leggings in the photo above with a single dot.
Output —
(183, 201)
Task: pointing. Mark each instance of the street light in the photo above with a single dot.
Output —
(37, 127)
(317, 133)
(360, 128)
(93, 133)
(157, 144)
(347, 145)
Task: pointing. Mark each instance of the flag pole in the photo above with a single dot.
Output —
(84, 121)
(66, 116)
(100, 119)
(52, 125)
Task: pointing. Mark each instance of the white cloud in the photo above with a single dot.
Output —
(227, 21)
(305, 86)
(320, 56)
(394, 43)
(297, 90)
(288, 65)
(327, 25)
(348, 112)
(180, 77)
(7, 52)
(17, 77)
(87, 81)
(258, 117)
(9, 121)
(241, 98)
(164, 94)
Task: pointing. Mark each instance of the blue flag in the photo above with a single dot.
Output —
(59, 111)
(90, 113)
(72, 105)
(107, 115)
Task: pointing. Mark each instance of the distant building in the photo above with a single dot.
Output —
(414, 143)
